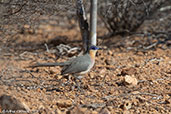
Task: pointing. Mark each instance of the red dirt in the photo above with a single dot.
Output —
(103, 90)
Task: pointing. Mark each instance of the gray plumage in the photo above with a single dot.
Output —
(80, 64)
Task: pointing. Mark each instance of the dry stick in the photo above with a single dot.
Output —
(107, 66)
(17, 11)
(123, 95)
(84, 27)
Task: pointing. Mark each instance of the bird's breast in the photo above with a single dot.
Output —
(89, 67)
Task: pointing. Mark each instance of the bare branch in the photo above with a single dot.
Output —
(84, 28)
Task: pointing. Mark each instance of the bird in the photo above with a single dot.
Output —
(79, 65)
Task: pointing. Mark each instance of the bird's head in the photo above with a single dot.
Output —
(94, 48)
(92, 51)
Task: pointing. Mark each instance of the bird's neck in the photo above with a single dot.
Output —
(92, 54)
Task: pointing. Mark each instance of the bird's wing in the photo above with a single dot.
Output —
(78, 65)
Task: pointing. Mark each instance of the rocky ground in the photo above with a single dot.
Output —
(132, 74)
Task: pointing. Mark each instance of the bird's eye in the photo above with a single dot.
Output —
(94, 48)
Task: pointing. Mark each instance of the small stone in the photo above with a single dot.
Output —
(130, 80)
(94, 112)
(91, 74)
(135, 92)
(76, 110)
(110, 52)
(128, 71)
(26, 26)
(64, 103)
(102, 71)
(126, 106)
(58, 111)
(109, 62)
(104, 111)
(10, 103)
(126, 112)
(140, 99)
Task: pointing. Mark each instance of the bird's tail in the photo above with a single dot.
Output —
(50, 64)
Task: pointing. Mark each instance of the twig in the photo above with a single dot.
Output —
(132, 2)
(147, 10)
(109, 66)
(129, 94)
(94, 105)
(150, 46)
(47, 49)
(165, 8)
(15, 12)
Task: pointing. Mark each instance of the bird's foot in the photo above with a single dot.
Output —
(79, 77)
(78, 83)
(68, 82)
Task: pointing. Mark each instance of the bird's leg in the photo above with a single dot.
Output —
(68, 80)
(79, 78)
(78, 81)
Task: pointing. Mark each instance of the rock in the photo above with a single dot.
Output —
(91, 74)
(109, 62)
(104, 111)
(76, 110)
(135, 92)
(64, 103)
(126, 112)
(110, 52)
(126, 105)
(94, 112)
(131, 80)
(128, 71)
(12, 105)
